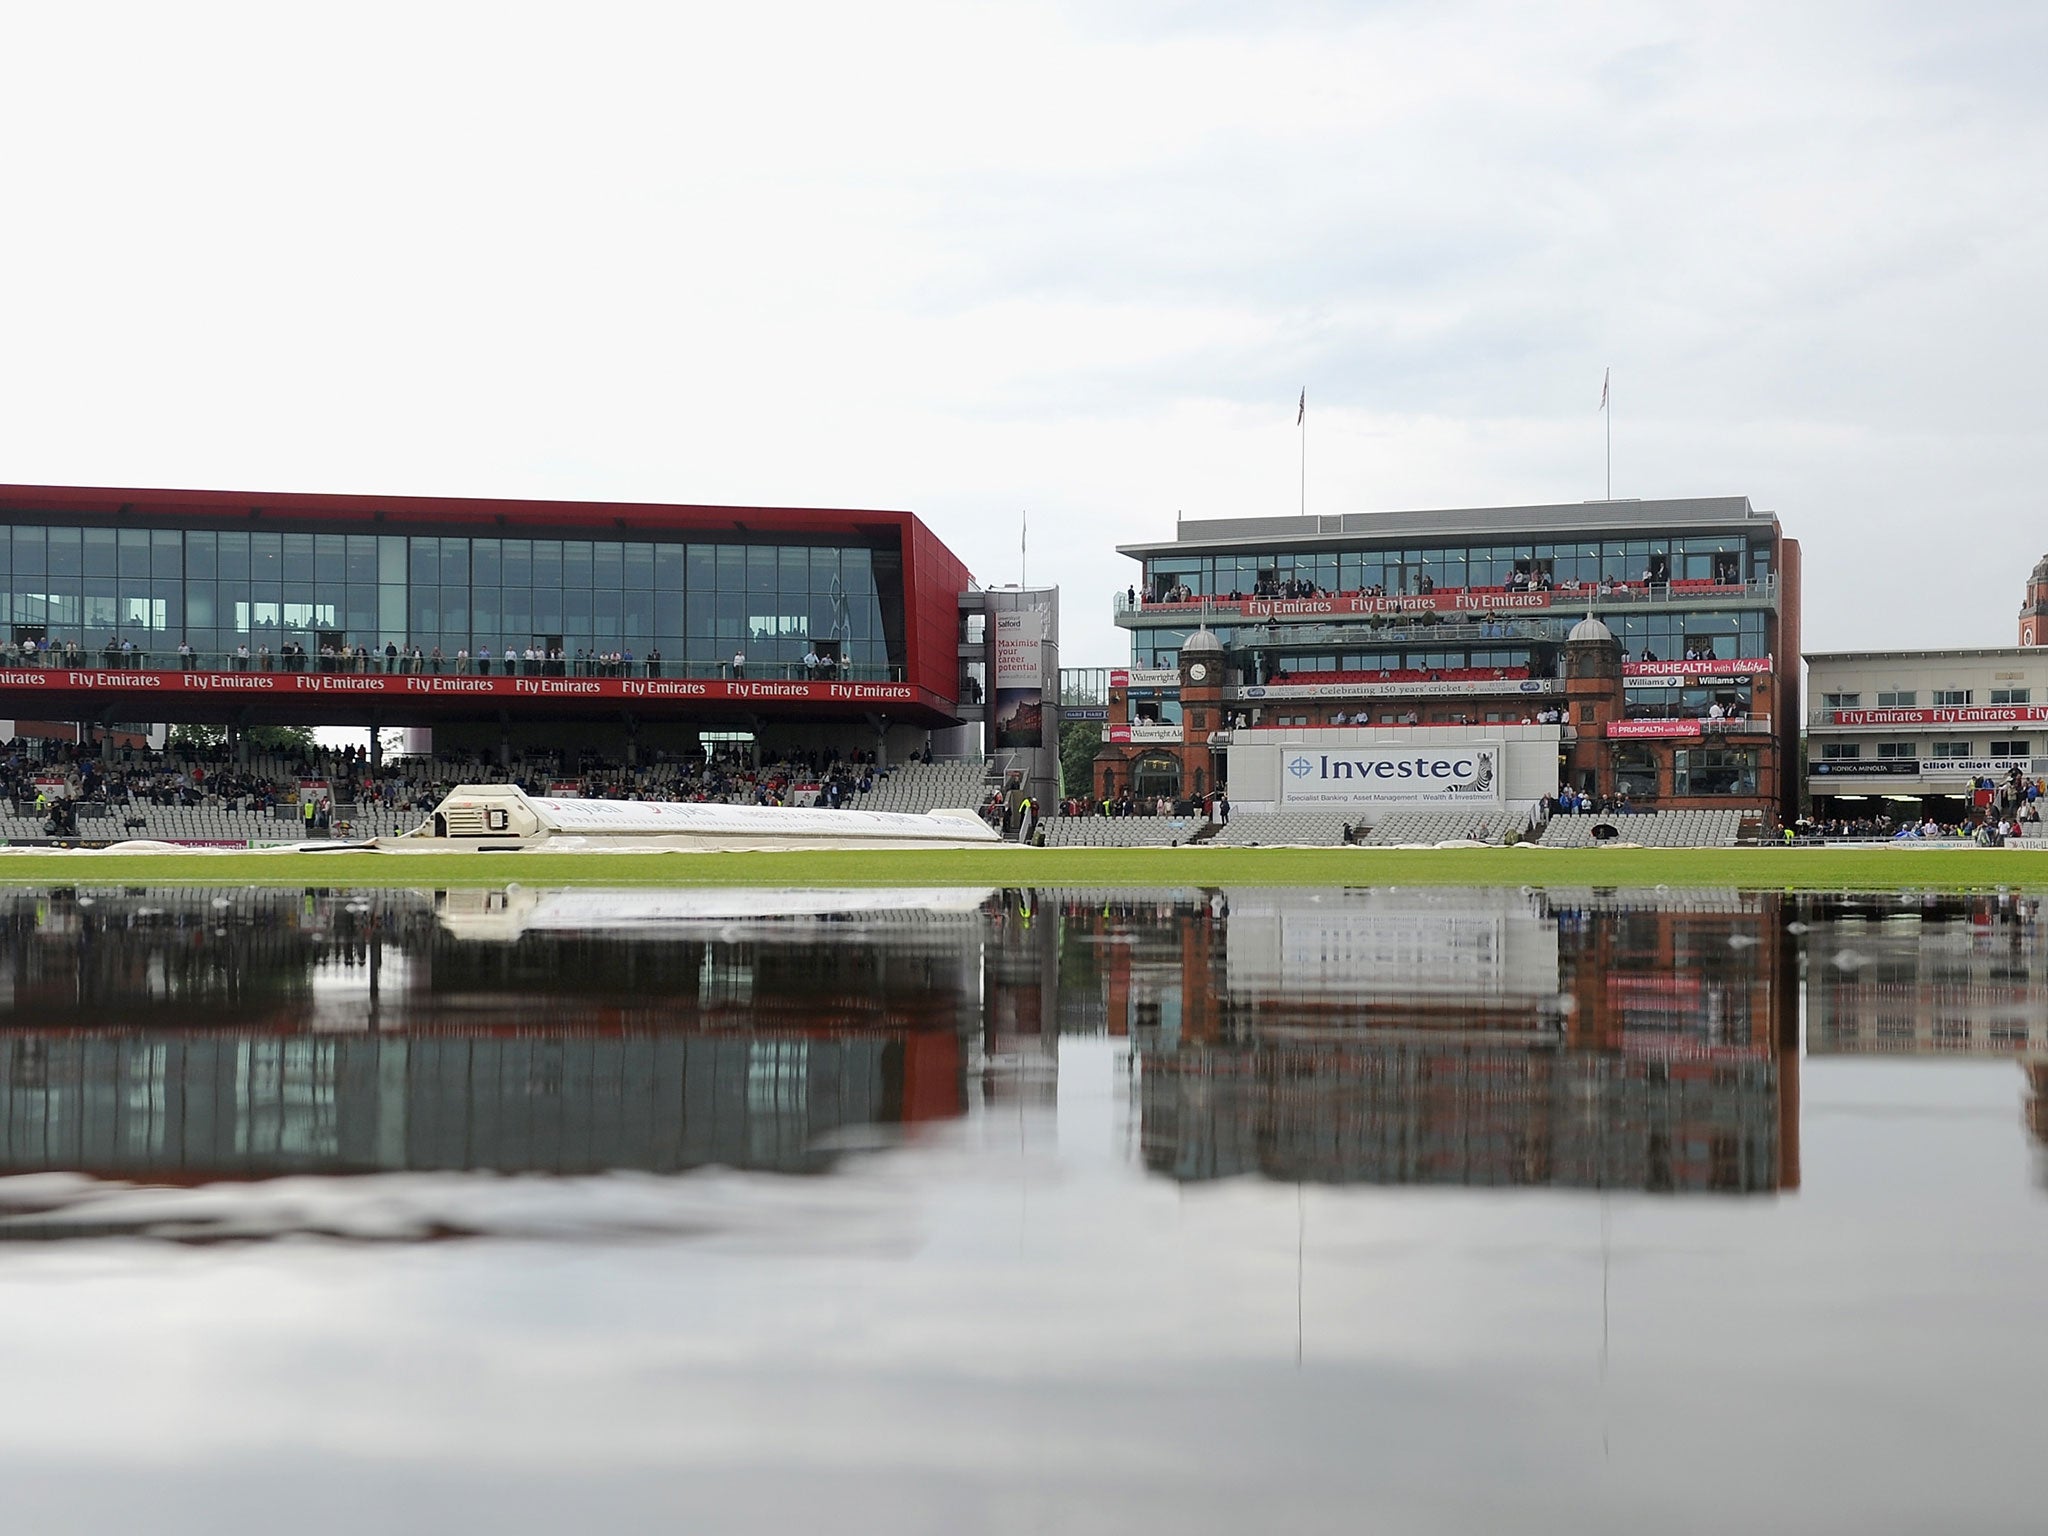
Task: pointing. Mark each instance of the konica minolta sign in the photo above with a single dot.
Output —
(1462, 774)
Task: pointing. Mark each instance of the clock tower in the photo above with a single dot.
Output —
(1202, 659)
(2034, 612)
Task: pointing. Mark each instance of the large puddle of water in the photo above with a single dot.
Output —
(1059, 1210)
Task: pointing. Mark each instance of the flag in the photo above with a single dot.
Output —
(1301, 411)
(1603, 387)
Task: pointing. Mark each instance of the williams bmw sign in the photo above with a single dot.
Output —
(1465, 774)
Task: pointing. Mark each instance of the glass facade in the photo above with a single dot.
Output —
(1510, 640)
(697, 603)
(1695, 557)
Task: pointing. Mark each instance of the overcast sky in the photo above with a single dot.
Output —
(973, 259)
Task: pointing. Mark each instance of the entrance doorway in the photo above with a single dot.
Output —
(1155, 775)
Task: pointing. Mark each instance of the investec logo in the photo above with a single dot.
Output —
(1458, 773)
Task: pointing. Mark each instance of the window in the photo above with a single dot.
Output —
(1950, 696)
(1716, 771)
(1949, 749)
(1635, 771)
(1841, 751)
(2012, 695)
(1842, 700)
(1897, 749)
(2017, 748)
(1897, 698)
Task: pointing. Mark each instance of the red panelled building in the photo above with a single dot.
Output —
(238, 607)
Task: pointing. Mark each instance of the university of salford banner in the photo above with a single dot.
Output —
(1020, 678)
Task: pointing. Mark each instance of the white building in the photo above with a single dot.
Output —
(1907, 731)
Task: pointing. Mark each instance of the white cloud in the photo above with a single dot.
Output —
(973, 259)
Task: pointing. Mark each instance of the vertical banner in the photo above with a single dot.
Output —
(1020, 678)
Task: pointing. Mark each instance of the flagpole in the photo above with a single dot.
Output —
(1024, 548)
(1607, 410)
(1301, 421)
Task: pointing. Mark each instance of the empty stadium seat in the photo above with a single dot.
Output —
(1652, 829)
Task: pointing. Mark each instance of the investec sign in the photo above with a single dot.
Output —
(1465, 774)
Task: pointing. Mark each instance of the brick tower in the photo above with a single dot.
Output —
(1592, 691)
(2034, 612)
(1202, 659)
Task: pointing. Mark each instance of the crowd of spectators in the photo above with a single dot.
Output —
(1124, 803)
(51, 652)
(2003, 809)
(1574, 802)
(1653, 581)
(292, 656)
(345, 777)
(1401, 675)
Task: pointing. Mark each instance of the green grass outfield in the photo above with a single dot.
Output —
(1805, 869)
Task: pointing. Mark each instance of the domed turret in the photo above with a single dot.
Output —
(1202, 642)
(1591, 651)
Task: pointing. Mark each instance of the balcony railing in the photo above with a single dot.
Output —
(159, 659)
(1467, 603)
(1961, 717)
(1399, 628)
(1224, 736)
(1743, 725)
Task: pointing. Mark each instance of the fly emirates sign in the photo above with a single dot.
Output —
(1465, 774)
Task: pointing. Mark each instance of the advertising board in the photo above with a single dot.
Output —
(1467, 773)
(1984, 714)
(1711, 668)
(1652, 729)
(1141, 733)
(1020, 677)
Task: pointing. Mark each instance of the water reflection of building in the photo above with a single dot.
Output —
(1480, 1037)
(1925, 975)
(159, 1035)
(1932, 975)
(1020, 1008)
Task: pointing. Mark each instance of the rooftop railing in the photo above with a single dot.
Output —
(1359, 606)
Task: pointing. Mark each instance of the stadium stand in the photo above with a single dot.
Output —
(1402, 827)
(204, 798)
(1119, 831)
(1267, 829)
(916, 788)
(1653, 829)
